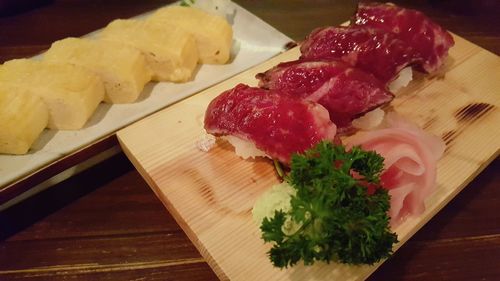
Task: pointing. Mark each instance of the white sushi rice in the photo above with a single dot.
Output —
(404, 78)
(370, 120)
(205, 142)
(374, 118)
(244, 148)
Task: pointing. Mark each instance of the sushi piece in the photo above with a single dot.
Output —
(376, 51)
(346, 92)
(276, 124)
(430, 41)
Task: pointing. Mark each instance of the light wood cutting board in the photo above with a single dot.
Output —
(211, 194)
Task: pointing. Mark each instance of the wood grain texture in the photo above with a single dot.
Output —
(75, 241)
(211, 194)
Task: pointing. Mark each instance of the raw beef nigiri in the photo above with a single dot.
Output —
(346, 92)
(376, 51)
(430, 41)
(276, 123)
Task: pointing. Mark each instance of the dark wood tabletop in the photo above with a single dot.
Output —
(107, 224)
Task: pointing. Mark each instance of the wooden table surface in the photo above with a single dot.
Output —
(106, 223)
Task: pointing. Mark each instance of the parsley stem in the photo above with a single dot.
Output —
(279, 169)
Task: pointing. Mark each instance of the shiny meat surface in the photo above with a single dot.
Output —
(376, 51)
(277, 124)
(430, 41)
(346, 92)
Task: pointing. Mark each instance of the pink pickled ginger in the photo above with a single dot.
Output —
(411, 156)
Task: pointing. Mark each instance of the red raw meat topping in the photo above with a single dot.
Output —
(277, 124)
(430, 41)
(346, 92)
(376, 51)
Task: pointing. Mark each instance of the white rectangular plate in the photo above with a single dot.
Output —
(254, 42)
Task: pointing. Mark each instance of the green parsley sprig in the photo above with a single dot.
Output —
(187, 3)
(332, 216)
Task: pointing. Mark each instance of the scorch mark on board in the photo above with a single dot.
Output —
(466, 114)
(473, 111)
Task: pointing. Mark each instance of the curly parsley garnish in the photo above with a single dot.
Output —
(332, 215)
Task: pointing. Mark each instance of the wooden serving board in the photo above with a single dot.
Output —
(211, 194)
